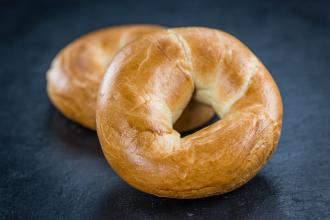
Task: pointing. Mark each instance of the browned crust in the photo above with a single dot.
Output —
(76, 73)
(145, 90)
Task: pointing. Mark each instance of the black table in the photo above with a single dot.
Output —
(51, 168)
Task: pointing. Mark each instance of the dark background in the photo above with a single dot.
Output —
(51, 168)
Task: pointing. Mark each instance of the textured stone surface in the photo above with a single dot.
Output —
(51, 168)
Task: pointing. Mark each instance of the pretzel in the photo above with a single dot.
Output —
(145, 90)
(76, 73)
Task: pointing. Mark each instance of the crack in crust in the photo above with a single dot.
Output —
(179, 39)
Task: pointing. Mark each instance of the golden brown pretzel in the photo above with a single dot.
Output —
(76, 73)
(150, 82)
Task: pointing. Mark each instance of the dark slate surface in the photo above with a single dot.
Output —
(51, 168)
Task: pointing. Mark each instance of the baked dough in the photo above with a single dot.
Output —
(144, 92)
(76, 73)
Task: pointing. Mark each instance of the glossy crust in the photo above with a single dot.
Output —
(76, 73)
(147, 86)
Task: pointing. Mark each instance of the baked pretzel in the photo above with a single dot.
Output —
(76, 73)
(145, 90)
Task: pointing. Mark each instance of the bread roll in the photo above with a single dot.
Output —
(145, 90)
